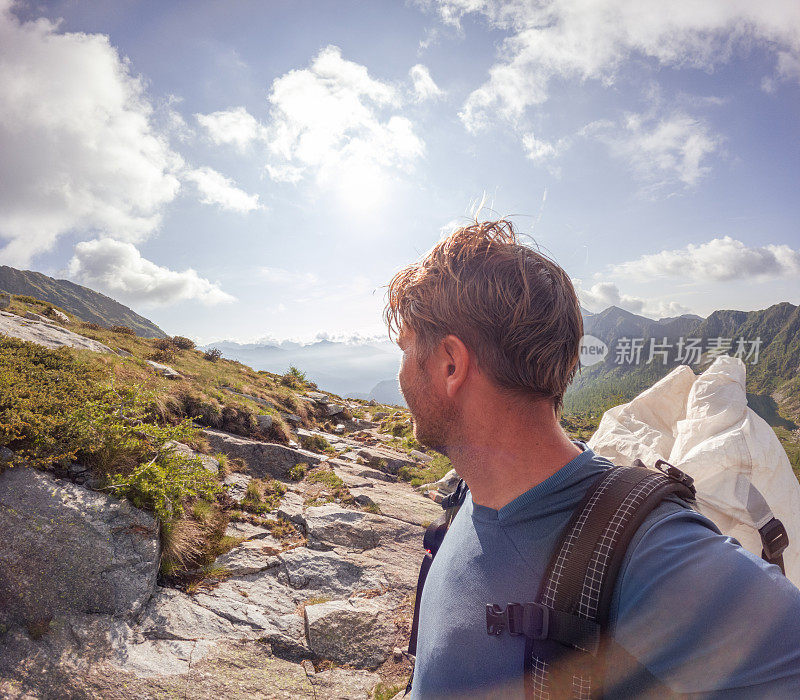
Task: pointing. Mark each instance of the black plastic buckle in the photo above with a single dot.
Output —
(674, 473)
(774, 539)
(496, 619)
(536, 621)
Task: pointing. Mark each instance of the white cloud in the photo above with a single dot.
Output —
(118, 269)
(720, 259)
(591, 39)
(331, 119)
(544, 152)
(217, 189)
(235, 127)
(673, 149)
(78, 147)
(604, 294)
(424, 86)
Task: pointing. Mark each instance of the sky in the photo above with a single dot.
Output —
(260, 170)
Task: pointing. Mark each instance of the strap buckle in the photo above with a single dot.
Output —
(774, 539)
(530, 619)
(674, 473)
(496, 619)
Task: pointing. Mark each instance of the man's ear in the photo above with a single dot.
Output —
(456, 358)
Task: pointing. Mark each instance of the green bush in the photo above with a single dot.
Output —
(164, 483)
(294, 378)
(316, 443)
(212, 354)
(263, 496)
(124, 330)
(298, 471)
(182, 343)
(40, 389)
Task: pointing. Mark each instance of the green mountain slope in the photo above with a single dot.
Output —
(772, 381)
(85, 303)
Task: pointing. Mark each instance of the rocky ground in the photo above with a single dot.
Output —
(322, 613)
(312, 600)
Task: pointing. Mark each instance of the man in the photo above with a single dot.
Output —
(490, 333)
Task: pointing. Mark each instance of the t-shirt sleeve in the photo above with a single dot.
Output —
(703, 615)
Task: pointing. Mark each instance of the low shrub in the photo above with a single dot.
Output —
(182, 343)
(294, 378)
(212, 354)
(262, 495)
(298, 472)
(316, 443)
(333, 488)
(124, 330)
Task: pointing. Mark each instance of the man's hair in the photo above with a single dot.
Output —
(512, 306)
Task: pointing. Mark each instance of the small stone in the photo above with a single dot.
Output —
(397, 654)
(421, 456)
(364, 500)
(163, 370)
(338, 428)
(264, 422)
(292, 418)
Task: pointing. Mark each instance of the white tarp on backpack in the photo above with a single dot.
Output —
(702, 425)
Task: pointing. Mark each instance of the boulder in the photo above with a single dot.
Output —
(163, 370)
(31, 316)
(356, 631)
(291, 509)
(59, 316)
(446, 485)
(328, 573)
(292, 418)
(317, 396)
(46, 333)
(251, 557)
(420, 456)
(331, 525)
(333, 409)
(65, 549)
(174, 615)
(264, 459)
(246, 530)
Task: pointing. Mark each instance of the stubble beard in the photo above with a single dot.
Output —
(436, 419)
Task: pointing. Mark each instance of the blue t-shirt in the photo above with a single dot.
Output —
(700, 613)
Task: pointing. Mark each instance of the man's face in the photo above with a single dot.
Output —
(435, 416)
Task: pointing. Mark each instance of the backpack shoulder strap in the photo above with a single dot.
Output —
(583, 572)
(432, 540)
(564, 627)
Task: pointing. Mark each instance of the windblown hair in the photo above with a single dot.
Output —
(512, 306)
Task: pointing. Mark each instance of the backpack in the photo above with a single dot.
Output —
(565, 628)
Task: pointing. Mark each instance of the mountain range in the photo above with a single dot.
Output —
(768, 341)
